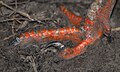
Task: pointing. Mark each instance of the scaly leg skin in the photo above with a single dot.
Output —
(59, 34)
(92, 37)
(75, 20)
(61, 37)
(92, 28)
(69, 53)
(104, 15)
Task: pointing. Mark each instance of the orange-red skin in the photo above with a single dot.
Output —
(89, 25)
(80, 48)
(104, 14)
(88, 21)
(67, 33)
(59, 34)
(75, 20)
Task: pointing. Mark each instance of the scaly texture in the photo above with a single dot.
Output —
(95, 25)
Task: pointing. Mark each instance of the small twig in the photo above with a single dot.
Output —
(1, 11)
(15, 4)
(32, 62)
(25, 15)
(1, 2)
(13, 12)
(20, 12)
(13, 27)
(24, 24)
(116, 29)
(8, 20)
(18, 21)
(18, 3)
(6, 38)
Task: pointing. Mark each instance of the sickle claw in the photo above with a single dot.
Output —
(15, 41)
(55, 46)
(109, 38)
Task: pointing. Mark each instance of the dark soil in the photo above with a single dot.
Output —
(103, 57)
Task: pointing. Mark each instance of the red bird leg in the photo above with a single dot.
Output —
(104, 14)
(74, 19)
(58, 34)
(69, 53)
(57, 45)
(93, 32)
(61, 34)
(75, 39)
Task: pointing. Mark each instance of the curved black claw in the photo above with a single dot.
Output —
(15, 42)
(55, 46)
(109, 38)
